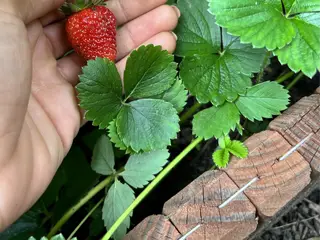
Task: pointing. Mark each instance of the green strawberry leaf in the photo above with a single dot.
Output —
(118, 199)
(263, 101)
(216, 121)
(224, 141)
(260, 22)
(147, 124)
(141, 168)
(149, 71)
(177, 95)
(103, 157)
(303, 53)
(114, 137)
(57, 237)
(100, 92)
(216, 66)
(221, 158)
(238, 149)
(300, 6)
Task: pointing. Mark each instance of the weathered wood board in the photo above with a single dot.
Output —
(298, 122)
(198, 203)
(154, 227)
(318, 90)
(279, 181)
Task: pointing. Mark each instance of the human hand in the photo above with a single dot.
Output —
(39, 110)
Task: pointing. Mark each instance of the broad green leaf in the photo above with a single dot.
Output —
(58, 237)
(224, 141)
(114, 137)
(216, 66)
(103, 157)
(177, 95)
(221, 158)
(216, 121)
(263, 101)
(149, 71)
(303, 53)
(147, 124)
(238, 149)
(303, 6)
(260, 22)
(100, 91)
(118, 199)
(141, 168)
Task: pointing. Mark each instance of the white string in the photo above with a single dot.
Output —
(292, 150)
(190, 232)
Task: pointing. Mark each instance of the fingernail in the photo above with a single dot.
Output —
(177, 11)
(175, 36)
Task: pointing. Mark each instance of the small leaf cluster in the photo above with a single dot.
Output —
(57, 237)
(289, 28)
(221, 157)
(141, 115)
(138, 171)
(217, 68)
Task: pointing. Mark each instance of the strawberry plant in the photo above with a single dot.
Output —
(223, 49)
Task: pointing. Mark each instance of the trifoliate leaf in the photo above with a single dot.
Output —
(177, 95)
(118, 199)
(216, 66)
(149, 71)
(216, 121)
(295, 28)
(224, 141)
(263, 101)
(114, 137)
(303, 53)
(141, 168)
(147, 124)
(103, 157)
(221, 158)
(100, 91)
(260, 22)
(238, 149)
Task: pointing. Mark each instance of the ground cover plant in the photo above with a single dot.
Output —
(215, 83)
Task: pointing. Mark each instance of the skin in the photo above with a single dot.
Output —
(40, 116)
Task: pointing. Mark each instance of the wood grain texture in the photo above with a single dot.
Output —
(318, 90)
(155, 227)
(198, 204)
(299, 121)
(279, 181)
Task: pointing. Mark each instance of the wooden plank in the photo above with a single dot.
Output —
(299, 121)
(279, 181)
(198, 204)
(154, 227)
(318, 90)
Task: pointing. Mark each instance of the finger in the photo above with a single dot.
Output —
(29, 10)
(52, 17)
(136, 32)
(70, 68)
(58, 38)
(126, 10)
(166, 39)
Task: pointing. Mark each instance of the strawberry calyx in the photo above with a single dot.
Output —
(68, 8)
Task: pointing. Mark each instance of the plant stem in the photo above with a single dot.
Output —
(76, 207)
(85, 219)
(190, 112)
(295, 80)
(264, 65)
(150, 187)
(285, 77)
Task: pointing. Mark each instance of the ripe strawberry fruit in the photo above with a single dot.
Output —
(91, 30)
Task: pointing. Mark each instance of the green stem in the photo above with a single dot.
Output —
(190, 112)
(295, 80)
(285, 77)
(85, 219)
(150, 187)
(264, 65)
(76, 207)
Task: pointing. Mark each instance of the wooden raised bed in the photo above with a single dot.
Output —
(280, 184)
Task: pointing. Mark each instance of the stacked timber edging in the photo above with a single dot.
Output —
(279, 182)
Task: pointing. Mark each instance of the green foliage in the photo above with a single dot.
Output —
(216, 66)
(57, 237)
(221, 157)
(119, 197)
(133, 118)
(141, 168)
(263, 101)
(292, 31)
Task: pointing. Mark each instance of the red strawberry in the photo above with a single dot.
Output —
(92, 32)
